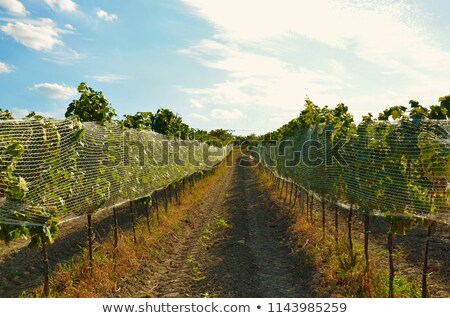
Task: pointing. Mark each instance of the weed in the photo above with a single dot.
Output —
(339, 273)
(222, 223)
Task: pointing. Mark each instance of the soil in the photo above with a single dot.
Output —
(408, 252)
(234, 243)
(237, 247)
(21, 267)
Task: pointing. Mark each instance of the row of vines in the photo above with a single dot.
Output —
(396, 166)
(53, 171)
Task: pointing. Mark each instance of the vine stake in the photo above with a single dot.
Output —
(425, 259)
(391, 260)
(90, 240)
(133, 221)
(336, 224)
(350, 241)
(46, 266)
(323, 217)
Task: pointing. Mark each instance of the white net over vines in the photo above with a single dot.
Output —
(62, 168)
(400, 168)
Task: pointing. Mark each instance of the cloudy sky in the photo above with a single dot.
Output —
(245, 65)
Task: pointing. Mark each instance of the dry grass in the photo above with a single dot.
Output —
(74, 280)
(337, 274)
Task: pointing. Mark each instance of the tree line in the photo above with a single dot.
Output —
(93, 106)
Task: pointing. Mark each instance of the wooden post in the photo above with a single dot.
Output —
(147, 213)
(307, 205)
(116, 231)
(295, 195)
(166, 202)
(155, 196)
(90, 242)
(366, 238)
(290, 194)
(177, 197)
(391, 260)
(323, 217)
(431, 224)
(350, 241)
(46, 266)
(281, 189)
(133, 221)
(169, 193)
(336, 224)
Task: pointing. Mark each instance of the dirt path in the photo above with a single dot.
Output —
(236, 248)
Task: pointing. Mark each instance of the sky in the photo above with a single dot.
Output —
(243, 65)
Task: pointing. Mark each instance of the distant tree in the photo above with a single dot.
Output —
(199, 134)
(140, 120)
(166, 122)
(91, 106)
(5, 114)
(441, 111)
(220, 137)
(33, 115)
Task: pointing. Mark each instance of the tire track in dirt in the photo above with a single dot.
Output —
(253, 257)
(173, 274)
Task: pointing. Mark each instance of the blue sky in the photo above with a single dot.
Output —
(241, 65)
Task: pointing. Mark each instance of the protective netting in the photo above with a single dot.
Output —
(60, 169)
(400, 168)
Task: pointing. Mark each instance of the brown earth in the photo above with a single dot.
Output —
(237, 247)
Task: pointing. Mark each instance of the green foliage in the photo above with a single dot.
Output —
(5, 114)
(400, 169)
(91, 106)
(166, 122)
(140, 120)
(220, 137)
(52, 168)
(395, 112)
(34, 116)
(10, 233)
(441, 111)
(44, 234)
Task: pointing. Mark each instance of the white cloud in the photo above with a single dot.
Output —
(22, 112)
(62, 5)
(64, 56)
(55, 90)
(5, 68)
(225, 114)
(199, 117)
(109, 17)
(40, 35)
(109, 78)
(232, 58)
(255, 79)
(69, 27)
(14, 6)
(367, 54)
(196, 103)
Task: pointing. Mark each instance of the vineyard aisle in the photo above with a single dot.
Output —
(233, 245)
